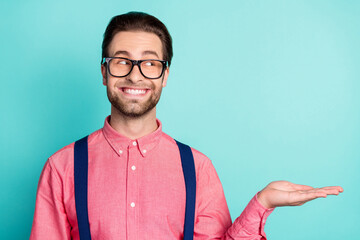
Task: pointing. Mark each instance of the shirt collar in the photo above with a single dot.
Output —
(120, 143)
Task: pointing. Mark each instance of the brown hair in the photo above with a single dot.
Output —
(138, 21)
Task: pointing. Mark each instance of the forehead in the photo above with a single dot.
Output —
(136, 44)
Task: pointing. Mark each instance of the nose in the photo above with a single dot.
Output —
(135, 74)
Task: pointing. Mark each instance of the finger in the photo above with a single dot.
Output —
(340, 189)
(300, 197)
(305, 196)
(328, 190)
(331, 191)
(322, 192)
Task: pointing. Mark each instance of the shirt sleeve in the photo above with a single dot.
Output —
(50, 219)
(251, 223)
(212, 217)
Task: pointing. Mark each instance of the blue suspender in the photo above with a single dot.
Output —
(80, 185)
(188, 166)
(81, 177)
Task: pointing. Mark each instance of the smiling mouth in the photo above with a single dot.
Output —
(134, 91)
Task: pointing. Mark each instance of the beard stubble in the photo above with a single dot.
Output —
(134, 108)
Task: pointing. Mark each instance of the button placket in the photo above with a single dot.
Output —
(132, 189)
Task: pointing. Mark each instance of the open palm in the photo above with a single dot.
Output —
(284, 193)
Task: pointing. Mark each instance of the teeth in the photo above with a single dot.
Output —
(134, 91)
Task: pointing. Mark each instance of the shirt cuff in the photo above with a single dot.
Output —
(252, 220)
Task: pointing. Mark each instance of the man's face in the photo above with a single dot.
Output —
(134, 95)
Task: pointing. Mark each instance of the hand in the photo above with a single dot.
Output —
(284, 193)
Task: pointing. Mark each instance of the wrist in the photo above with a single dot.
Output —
(261, 197)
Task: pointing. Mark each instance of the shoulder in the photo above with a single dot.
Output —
(200, 159)
(62, 161)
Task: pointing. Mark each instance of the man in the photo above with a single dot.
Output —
(135, 185)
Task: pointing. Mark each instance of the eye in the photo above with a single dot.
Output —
(149, 63)
(122, 62)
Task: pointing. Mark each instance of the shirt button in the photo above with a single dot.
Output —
(120, 151)
(132, 204)
(134, 143)
(133, 168)
(144, 151)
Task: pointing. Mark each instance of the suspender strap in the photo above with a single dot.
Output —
(187, 161)
(81, 186)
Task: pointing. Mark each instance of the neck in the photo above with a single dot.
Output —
(133, 128)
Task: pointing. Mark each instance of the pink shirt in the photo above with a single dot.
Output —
(136, 190)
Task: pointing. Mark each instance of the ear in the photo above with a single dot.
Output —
(103, 73)
(166, 74)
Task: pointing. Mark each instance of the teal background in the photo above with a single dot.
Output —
(269, 90)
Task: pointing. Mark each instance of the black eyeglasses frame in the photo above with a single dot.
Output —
(106, 60)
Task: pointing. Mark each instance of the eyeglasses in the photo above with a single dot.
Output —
(121, 67)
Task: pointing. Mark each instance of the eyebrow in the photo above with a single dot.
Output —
(147, 52)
